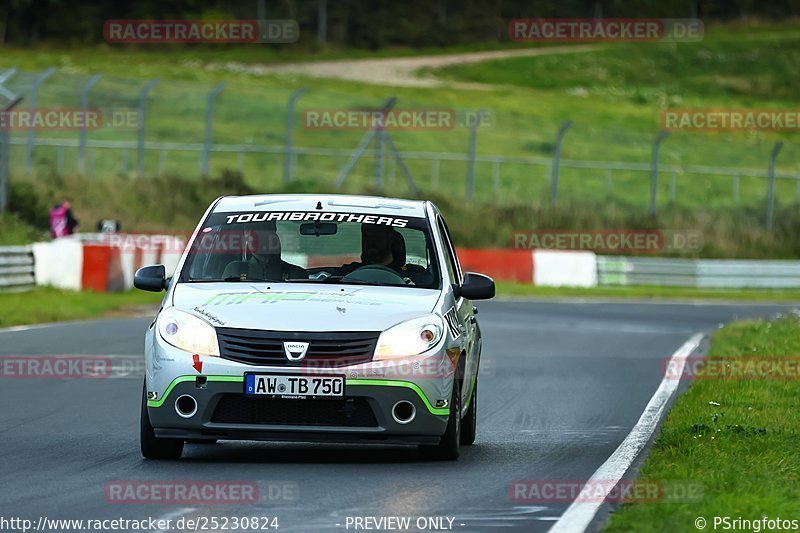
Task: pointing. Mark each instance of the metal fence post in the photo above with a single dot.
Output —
(654, 171)
(37, 83)
(204, 163)
(379, 159)
(82, 133)
(672, 186)
(473, 146)
(288, 169)
(771, 195)
(5, 141)
(736, 189)
(557, 160)
(142, 118)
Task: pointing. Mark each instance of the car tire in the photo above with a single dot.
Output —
(448, 447)
(151, 446)
(469, 425)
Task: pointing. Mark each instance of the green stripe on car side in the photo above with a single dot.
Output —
(349, 382)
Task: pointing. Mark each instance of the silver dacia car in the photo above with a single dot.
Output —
(314, 317)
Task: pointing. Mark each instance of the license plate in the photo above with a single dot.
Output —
(293, 386)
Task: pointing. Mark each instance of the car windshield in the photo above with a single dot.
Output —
(313, 247)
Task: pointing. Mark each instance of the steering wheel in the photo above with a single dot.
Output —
(377, 273)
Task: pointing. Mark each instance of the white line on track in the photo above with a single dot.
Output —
(579, 515)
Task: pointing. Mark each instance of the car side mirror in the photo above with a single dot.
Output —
(151, 278)
(476, 287)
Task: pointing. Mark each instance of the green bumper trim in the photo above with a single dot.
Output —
(182, 379)
(445, 411)
(349, 382)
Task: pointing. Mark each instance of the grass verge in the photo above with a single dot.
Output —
(743, 447)
(46, 304)
(647, 292)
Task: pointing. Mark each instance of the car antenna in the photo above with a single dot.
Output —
(319, 205)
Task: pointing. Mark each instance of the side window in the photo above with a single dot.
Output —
(451, 260)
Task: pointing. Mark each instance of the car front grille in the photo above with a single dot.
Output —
(238, 409)
(325, 350)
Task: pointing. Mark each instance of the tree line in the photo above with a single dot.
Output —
(367, 24)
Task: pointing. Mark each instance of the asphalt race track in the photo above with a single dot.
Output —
(561, 385)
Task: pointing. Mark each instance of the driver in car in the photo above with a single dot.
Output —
(264, 246)
(376, 248)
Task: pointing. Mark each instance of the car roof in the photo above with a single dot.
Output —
(334, 203)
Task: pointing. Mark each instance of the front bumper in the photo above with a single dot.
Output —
(221, 402)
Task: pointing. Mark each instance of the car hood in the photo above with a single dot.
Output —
(303, 307)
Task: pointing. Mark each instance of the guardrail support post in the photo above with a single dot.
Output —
(557, 160)
(771, 195)
(142, 122)
(288, 155)
(82, 133)
(37, 83)
(654, 172)
(204, 164)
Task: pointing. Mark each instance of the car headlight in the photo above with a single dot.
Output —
(188, 332)
(410, 338)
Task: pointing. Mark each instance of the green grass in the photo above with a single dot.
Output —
(647, 292)
(744, 450)
(46, 304)
(613, 95)
(14, 231)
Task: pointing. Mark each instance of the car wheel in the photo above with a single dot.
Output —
(448, 447)
(151, 446)
(469, 425)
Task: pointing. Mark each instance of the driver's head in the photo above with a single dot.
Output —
(263, 241)
(376, 244)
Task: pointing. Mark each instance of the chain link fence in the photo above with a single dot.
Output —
(156, 127)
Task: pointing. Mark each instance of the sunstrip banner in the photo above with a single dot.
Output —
(300, 216)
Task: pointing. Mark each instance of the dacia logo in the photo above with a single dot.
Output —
(295, 351)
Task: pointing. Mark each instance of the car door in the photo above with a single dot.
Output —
(464, 314)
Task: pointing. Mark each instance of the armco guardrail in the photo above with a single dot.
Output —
(16, 268)
(709, 273)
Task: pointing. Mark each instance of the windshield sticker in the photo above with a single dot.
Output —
(227, 298)
(266, 216)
